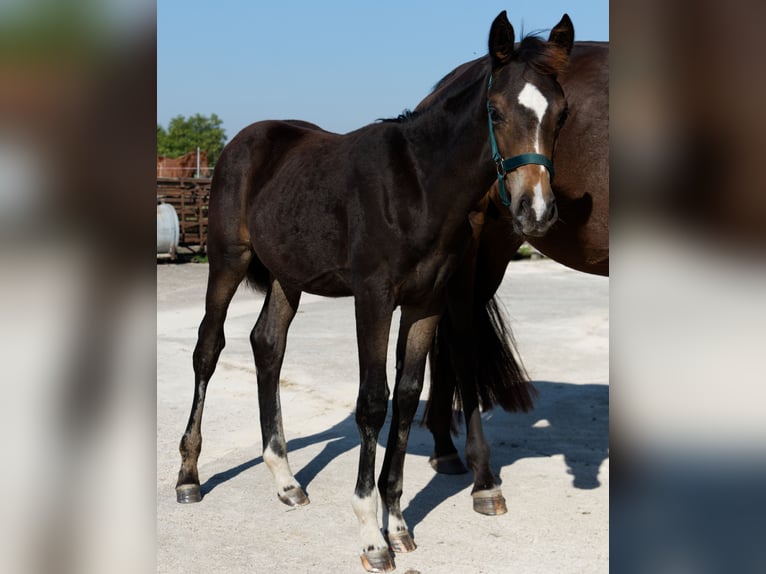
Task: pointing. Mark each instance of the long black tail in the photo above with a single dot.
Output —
(500, 377)
(258, 277)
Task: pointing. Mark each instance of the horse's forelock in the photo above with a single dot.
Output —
(543, 57)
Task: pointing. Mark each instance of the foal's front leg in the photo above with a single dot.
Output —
(373, 322)
(415, 335)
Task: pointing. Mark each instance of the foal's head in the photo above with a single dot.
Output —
(526, 108)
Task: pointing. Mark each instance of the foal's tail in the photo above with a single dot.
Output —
(258, 277)
(499, 376)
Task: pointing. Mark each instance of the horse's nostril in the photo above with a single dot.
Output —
(553, 212)
(524, 206)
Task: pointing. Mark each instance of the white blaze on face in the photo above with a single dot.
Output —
(531, 98)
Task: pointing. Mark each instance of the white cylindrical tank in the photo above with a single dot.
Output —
(167, 230)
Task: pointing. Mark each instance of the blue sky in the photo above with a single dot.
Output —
(340, 64)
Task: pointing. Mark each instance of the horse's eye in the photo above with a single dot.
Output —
(563, 117)
(494, 115)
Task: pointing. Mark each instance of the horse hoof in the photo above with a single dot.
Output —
(377, 561)
(401, 542)
(449, 464)
(489, 502)
(186, 493)
(294, 497)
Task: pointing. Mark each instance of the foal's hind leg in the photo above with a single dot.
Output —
(415, 335)
(225, 274)
(269, 340)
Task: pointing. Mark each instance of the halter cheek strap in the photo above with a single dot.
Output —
(505, 165)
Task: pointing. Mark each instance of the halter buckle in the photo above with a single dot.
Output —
(501, 171)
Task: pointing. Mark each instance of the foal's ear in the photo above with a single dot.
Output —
(501, 40)
(562, 34)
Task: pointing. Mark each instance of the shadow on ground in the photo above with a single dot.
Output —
(568, 419)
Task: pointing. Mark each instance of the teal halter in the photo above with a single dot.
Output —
(505, 165)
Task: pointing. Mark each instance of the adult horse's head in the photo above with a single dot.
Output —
(189, 163)
(204, 169)
(526, 108)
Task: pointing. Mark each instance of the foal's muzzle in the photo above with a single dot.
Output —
(532, 203)
(527, 221)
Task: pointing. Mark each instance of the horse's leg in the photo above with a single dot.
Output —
(453, 357)
(225, 274)
(373, 322)
(487, 496)
(269, 339)
(466, 334)
(439, 419)
(443, 377)
(415, 335)
(496, 247)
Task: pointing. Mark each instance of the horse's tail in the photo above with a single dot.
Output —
(499, 375)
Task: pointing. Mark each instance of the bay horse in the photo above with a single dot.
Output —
(473, 356)
(183, 166)
(381, 214)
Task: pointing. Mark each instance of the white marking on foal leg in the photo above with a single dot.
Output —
(280, 469)
(366, 510)
(395, 524)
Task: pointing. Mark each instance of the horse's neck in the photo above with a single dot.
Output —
(452, 152)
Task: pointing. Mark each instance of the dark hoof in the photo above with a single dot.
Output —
(186, 493)
(489, 502)
(294, 497)
(378, 561)
(401, 542)
(449, 464)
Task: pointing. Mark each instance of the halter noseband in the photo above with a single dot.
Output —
(505, 165)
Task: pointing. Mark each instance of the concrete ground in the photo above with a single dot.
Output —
(553, 462)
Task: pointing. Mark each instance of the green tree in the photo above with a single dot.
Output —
(162, 137)
(186, 134)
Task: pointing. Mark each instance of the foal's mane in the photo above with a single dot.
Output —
(406, 116)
